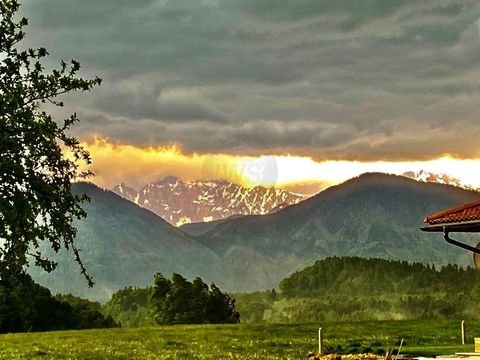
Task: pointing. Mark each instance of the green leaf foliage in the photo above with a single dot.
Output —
(36, 202)
(27, 306)
(172, 301)
(131, 307)
(178, 301)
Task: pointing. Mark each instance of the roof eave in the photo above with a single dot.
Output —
(472, 226)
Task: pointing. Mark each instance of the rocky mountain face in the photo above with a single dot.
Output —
(180, 202)
(426, 176)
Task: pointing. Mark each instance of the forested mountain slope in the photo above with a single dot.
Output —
(374, 215)
(352, 288)
(123, 244)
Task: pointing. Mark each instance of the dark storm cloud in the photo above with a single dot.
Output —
(352, 12)
(148, 102)
(366, 79)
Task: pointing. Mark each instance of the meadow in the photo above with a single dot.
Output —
(241, 341)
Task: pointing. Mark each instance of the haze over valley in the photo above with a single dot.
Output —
(374, 215)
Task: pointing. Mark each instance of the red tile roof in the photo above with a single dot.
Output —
(464, 213)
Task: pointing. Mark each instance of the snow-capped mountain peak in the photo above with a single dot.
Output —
(180, 202)
(439, 178)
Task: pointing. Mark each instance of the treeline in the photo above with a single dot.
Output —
(27, 306)
(333, 289)
(175, 301)
(352, 288)
(368, 277)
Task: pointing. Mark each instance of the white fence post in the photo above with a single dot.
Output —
(320, 341)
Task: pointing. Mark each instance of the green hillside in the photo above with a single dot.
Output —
(374, 215)
(352, 289)
(123, 244)
(200, 228)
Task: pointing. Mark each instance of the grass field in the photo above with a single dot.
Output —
(243, 341)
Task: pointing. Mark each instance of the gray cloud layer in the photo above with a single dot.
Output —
(370, 79)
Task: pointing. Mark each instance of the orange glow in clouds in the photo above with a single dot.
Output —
(115, 163)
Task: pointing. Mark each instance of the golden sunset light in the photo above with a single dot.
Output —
(117, 163)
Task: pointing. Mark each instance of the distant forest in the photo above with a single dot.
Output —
(340, 288)
(353, 288)
(333, 289)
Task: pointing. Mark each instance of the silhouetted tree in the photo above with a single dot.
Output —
(182, 302)
(27, 306)
(221, 308)
(36, 202)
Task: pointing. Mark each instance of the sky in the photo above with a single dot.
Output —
(297, 94)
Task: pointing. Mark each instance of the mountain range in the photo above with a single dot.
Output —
(180, 202)
(374, 215)
(438, 178)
